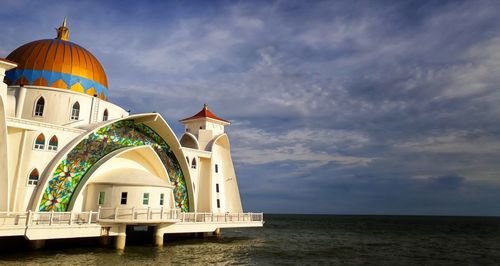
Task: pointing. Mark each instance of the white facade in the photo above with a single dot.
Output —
(209, 173)
(68, 150)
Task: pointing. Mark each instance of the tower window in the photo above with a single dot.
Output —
(33, 177)
(102, 194)
(218, 203)
(216, 168)
(105, 115)
(40, 105)
(75, 111)
(193, 163)
(201, 127)
(123, 200)
(145, 199)
(162, 198)
(53, 143)
(217, 188)
(40, 142)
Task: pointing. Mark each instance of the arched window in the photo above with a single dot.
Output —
(53, 143)
(187, 159)
(193, 163)
(33, 177)
(75, 111)
(40, 142)
(105, 115)
(39, 106)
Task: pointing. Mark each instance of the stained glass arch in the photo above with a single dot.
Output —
(53, 143)
(71, 169)
(39, 142)
(33, 177)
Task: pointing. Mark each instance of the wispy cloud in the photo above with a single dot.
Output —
(351, 101)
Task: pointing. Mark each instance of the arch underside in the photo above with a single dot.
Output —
(74, 166)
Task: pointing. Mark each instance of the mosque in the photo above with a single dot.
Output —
(71, 159)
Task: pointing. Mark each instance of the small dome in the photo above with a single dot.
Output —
(58, 63)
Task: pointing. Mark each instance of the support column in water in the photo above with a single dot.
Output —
(159, 236)
(121, 237)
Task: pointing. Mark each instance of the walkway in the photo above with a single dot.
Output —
(113, 221)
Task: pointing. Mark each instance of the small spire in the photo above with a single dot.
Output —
(205, 106)
(63, 31)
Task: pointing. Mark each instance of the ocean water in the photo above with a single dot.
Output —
(302, 240)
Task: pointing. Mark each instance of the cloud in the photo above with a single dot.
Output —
(256, 146)
(367, 107)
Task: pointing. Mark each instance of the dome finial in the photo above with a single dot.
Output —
(205, 106)
(63, 31)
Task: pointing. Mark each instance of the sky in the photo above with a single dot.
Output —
(337, 107)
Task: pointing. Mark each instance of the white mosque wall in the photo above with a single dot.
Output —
(201, 177)
(205, 183)
(21, 155)
(24, 157)
(135, 196)
(59, 105)
(115, 171)
(228, 194)
(5, 183)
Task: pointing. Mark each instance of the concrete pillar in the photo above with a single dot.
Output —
(20, 101)
(37, 244)
(217, 232)
(158, 237)
(121, 237)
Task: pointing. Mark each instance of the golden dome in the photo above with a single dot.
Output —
(58, 63)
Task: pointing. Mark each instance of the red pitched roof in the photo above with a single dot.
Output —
(204, 113)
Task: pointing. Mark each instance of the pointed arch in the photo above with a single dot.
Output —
(53, 143)
(105, 115)
(39, 106)
(188, 140)
(187, 160)
(193, 163)
(75, 111)
(33, 177)
(39, 142)
(65, 173)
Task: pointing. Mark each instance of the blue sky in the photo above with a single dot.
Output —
(343, 107)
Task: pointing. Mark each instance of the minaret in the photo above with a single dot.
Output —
(205, 126)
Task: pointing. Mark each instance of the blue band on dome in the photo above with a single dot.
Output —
(51, 77)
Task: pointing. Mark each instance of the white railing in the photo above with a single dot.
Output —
(122, 215)
(138, 214)
(206, 217)
(13, 218)
(162, 214)
(31, 218)
(62, 218)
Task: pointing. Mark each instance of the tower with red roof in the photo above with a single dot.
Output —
(208, 153)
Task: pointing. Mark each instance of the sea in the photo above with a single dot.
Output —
(291, 239)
